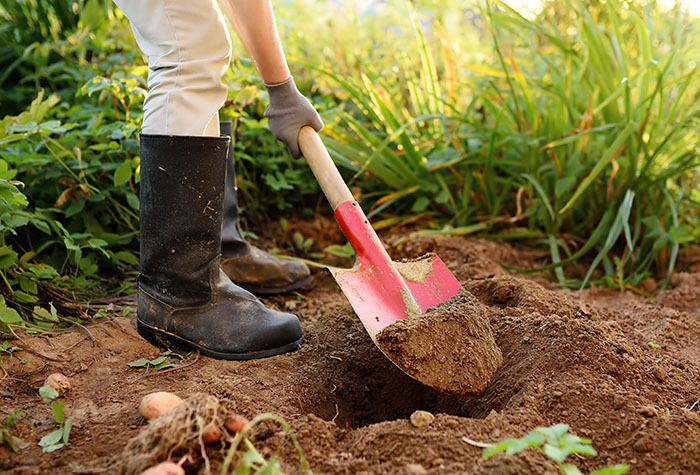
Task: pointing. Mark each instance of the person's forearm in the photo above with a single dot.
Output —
(255, 25)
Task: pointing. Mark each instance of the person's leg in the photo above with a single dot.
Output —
(188, 50)
(246, 265)
(184, 297)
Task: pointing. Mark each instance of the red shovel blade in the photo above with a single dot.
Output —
(382, 291)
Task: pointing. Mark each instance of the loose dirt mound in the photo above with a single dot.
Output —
(621, 369)
(449, 348)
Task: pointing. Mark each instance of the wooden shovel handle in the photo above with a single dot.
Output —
(323, 168)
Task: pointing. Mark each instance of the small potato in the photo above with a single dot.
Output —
(59, 382)
(155, 405)
(236, 423)
(164, 468)
(211, 434)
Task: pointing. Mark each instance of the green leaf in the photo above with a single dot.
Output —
(59, 410)
(66, 430)
(420, 205)
(23, 297)
(532, 439)
(126, 257)
(498, 448)
(28, 285)
(246, 95)
(569, 469)
(97, 243)
(52, 448)
(51, 438)
(600, 165)
(553, 432)
(8, 257)
(122, 174)
(44, 314)
(11, 419)
(680, 234)
(612, 470)
(92, 14)
(48, 393)
(75, 208)
(139, 363)
(9, 315)
(555, 453)
(133, 201)
(340, 251)
(158, 360)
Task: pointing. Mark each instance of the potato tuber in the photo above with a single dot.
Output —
(155, 405)
(236, 423)
(164, 468)
(211, 434)
(59, 382)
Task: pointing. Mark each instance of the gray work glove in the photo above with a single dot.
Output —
(287, 112)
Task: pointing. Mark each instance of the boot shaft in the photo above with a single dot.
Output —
(232, 242)
(181, 194)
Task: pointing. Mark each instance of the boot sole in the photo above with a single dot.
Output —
(275, 290)
(160, 337)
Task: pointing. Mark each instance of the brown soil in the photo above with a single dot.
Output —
(621, 369)
(449, 348)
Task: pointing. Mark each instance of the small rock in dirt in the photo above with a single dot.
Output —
(691, 416)
(648, 411)
(415, 469)
(437, 462)
(360, 465)
(422, 419)
(452, 423)
(643, 445)
(648, 285)
(660, 374)
(618, 401)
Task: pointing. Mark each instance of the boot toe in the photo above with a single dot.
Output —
(264, 274)
(283, 330)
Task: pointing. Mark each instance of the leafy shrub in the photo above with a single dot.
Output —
(580, 130)
(557, 443)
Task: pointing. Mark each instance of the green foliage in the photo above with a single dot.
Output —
(36, 37)
(75, 209)
(556, 443)
(269, 180)
(578, 128)
(243, 458)
(166, 360)
(6, 437)
(58, 438)
(581, 130)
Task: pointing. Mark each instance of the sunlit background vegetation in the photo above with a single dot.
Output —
(571, 125)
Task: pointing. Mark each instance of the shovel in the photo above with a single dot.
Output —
(380, 291)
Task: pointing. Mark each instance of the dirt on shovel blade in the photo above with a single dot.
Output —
(450, 347)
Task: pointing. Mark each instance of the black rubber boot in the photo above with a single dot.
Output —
(246, 265)
(184, 297)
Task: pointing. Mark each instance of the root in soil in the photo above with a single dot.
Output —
(175, 434)
(449, 348)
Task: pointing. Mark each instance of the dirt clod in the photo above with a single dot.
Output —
(449, 348)
(415, 469)
(422, 419)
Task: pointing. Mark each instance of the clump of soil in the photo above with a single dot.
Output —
(449, 348)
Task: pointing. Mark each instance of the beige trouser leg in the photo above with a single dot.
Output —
(188, 50)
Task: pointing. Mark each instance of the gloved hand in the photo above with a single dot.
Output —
(287, 112)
